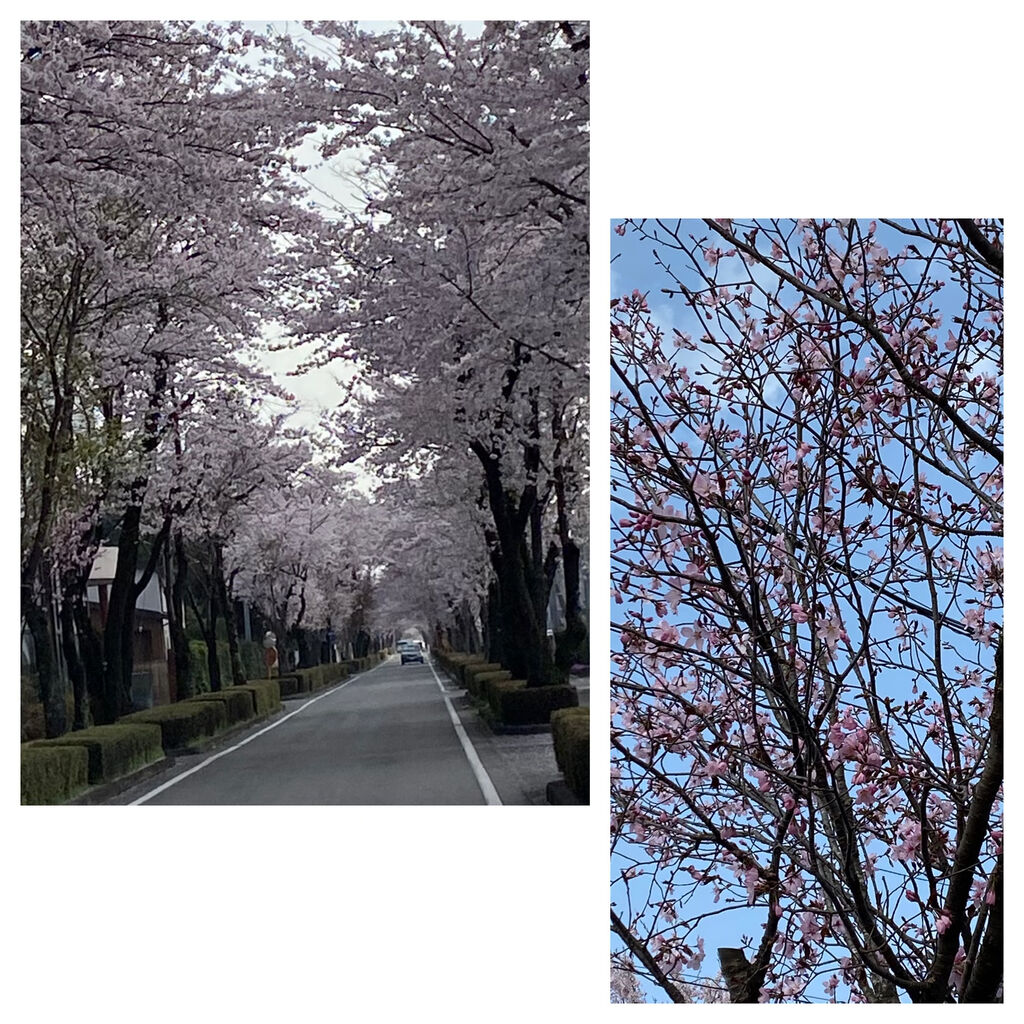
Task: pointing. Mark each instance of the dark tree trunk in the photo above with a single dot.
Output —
(494, 643)
(177, 574)
(526, 651)
(76, 669)
(212, 661)
(575, 633)
(208, 630)
(119, 631)
(301, 640)
(570, 556)
(469, 639)
(523, 576)
(35, 610)
(118, 651)
(228, 611)
(985, 984)
(362, 644)
(90, 651)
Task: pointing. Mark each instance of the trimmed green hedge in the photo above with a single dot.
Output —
(512, 702)
(570, 732)
(471, 670)
(239, 703)
(266, 695)
(52, 775)
(478, 678)
(182, 725)
(289, 685)
(472, 663)
(113, 750)
(319, 676)
(359, 664)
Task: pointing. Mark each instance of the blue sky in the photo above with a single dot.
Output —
(634, 266)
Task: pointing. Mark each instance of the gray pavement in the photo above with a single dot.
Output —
(520, 763)
(383, 737)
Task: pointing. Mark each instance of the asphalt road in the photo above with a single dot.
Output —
(384, 737)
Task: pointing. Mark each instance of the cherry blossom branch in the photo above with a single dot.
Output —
(909, 380)
(640, 951)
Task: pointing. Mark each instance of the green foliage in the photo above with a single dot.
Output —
(250, 653)
(478, 677)
(291, 685)
(266, 695)
(512, 702)
(252, 657)
(469, 669)
(52, 775)
(113, 750)
(570, 733)
(184, 724)
(320, 676)
(239, 703)
(572, 647)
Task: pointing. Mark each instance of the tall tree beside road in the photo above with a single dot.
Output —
(306, 554)
(159, 230)
(433, 545)
(470, 274)
(807, 570)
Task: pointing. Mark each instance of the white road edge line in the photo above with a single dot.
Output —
(229, 750)
(483, 780)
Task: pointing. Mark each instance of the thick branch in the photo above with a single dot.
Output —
(640, 951)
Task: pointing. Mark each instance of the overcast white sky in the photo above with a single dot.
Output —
(335, 185)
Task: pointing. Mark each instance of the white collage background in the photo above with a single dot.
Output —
(394, 914)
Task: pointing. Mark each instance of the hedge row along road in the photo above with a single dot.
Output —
(387, 736)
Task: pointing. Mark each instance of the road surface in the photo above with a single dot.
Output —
(386, 736)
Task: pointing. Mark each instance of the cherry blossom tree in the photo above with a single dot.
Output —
(435, 572)
(160, 228)
(308, 554)
(807, 574)
(469, 274)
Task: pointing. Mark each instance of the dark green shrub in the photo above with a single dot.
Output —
(51, 775)
(512, 702)
(182, 725)
(478, 678)
(571, 647)
(239, 705)
(252, 657)
(114, 750)
(460, 666)
(250, 652)
(319, 676)
(266, 695)
(316, 676)
(563, 722)
(289, 685)
(570, 733)
(452, 661)
(470, 668)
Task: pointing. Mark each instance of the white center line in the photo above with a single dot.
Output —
(483, 780)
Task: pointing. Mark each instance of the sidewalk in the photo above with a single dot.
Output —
(520, 764)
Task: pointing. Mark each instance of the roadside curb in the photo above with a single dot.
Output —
(103, 792)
